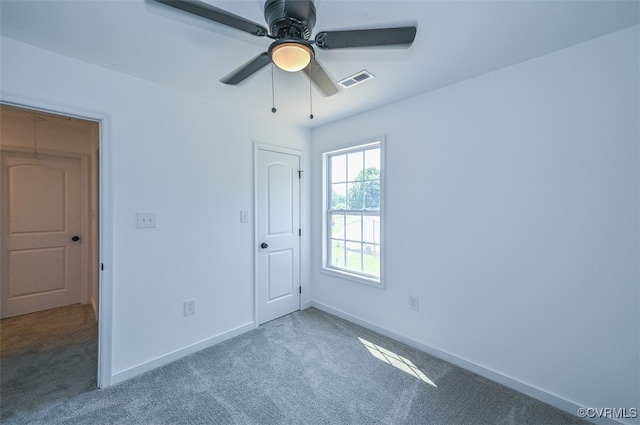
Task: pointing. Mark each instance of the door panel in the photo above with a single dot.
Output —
(279, 275)
(278, 216)
(37, 199)
(25, 279)
(280, 199)
(41, 212)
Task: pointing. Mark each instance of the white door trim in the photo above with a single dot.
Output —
(257, 147)
(105, 300)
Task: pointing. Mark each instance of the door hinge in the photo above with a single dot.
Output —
(300, 174)
(299, 232)
(300, 289)
(101, 266)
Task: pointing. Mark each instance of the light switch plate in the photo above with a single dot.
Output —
(146, 220)
(244, 216)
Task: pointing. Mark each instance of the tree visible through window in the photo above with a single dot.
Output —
(353, 213)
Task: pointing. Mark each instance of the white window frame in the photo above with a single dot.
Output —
(326, 203)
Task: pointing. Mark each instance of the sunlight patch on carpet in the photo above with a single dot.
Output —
(396, 361)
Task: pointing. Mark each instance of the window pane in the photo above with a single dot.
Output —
(337, 226)
(371, 190)
(355, 161)
(372, 158)
(338, 196)
(339, 168)
(371, 259)
(371, 229)
(355, 197)
(337, 253)
(354, 227)
(354, 256)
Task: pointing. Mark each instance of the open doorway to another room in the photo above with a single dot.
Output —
(48, 257)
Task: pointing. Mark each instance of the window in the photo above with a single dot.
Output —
(353, 212)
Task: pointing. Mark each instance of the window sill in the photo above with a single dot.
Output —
(353, 277)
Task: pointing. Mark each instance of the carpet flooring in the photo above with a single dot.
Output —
(305, 368)
(46, 357)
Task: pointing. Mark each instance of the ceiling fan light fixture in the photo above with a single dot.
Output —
(291, 56)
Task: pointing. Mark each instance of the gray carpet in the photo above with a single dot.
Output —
(46, 357)
(305, 368)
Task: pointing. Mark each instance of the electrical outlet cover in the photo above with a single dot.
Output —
(414, 303)
(189, 307)
(146, 220)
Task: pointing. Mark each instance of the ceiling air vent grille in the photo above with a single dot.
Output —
(356, 79)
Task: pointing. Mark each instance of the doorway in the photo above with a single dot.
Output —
(278, 232)
(49, 254)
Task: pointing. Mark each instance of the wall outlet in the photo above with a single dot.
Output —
(414, 302)
(146, 220)
(189, 307)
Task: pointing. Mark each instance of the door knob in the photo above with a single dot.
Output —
(75, 238)
(264, 245)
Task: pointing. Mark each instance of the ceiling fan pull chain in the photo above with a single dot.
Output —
(310, 96)
(273, 93)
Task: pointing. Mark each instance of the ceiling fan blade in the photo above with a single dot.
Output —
(320, 78)
(246, 70)
(365, 38)
(216, 14)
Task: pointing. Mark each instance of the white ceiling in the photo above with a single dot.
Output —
(456, 40)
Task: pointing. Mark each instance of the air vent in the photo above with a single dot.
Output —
(356, 79)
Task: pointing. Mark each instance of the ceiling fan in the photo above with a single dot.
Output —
(290, 24)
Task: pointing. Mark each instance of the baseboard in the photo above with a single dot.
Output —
(545, 397)
(178, 354)
(94, 306)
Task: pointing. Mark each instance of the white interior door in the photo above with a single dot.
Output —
(278, 227)
(41, 212)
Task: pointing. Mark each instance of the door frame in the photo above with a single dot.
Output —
(85, 205)
(278, 149)
(104, 268)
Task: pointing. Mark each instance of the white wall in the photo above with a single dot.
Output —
(190, 161)
(512, 212)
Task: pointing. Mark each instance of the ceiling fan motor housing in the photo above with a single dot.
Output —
(290, 18)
